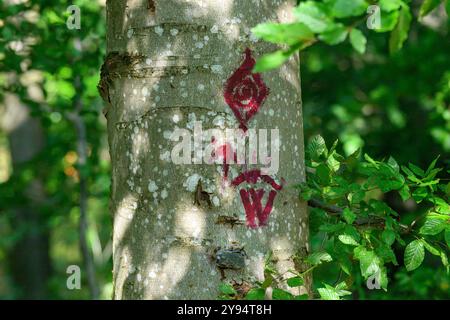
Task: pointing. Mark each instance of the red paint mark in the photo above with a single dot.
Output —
(245, 91)
(250, 211)
(253, 208)
(252, 199)
(252, 176)
(225, 152)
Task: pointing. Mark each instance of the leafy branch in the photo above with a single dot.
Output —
(358, 223)
(359, 227)
(334, 21)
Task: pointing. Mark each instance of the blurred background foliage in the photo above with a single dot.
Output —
(387, 105)
(48, 68)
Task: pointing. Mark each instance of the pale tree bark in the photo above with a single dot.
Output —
(167, 66)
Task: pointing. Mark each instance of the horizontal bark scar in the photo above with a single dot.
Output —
(115, 65)
(229, 220)
(185, 109)
(181, 27)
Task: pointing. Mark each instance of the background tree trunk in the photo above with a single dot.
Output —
(29, 258)
(167, 65)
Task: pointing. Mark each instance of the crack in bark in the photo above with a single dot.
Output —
(121, 65)
(229, 220)
(190, 241)
(122, 125)
(181, 27)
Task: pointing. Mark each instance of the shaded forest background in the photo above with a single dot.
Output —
(387, 105)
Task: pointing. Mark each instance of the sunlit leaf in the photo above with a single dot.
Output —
(414, 254)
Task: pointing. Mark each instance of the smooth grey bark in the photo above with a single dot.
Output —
(29, 258)
(167, 64)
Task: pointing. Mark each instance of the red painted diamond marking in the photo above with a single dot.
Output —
(245, 91)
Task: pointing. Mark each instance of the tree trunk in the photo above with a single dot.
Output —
(182, 229)
(29, 258)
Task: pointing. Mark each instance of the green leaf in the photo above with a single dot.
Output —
(306, 193)
(352, 231)
(369, 261)
(386, 254)
(431, 166)
(323, 173)
(334, 146)
(370, 160)
(388, 21)
(348, 239)
(383, 278)
(267, 281)
(386, 177)
(419, 172)
(404, 192)
(345, 263)
(357, 196)
(434, 224)
(328, 294)
(419, 194)
(336, 34)
(414, 255)
(428, 6)
(317, 258)
(393, 164)
(277, 58)
(279, 294)
(227, 289)
(256, 294)
(316, 147)
(331, 227)
(389, 5)
(431, 249)
(271, 60)
(348, 215)
(429, 176)
(53, 18)
(400, 33)
(334, 161)
(349, 8)
(371, 265)
(312, 14)
(444, 260)
(291, 33)
(295, 282)
(411, 176)
(388, 237)
(447, 237)
(358, 40)
(340, 289)
(441, 206)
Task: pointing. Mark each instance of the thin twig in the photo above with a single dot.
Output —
(330, 209)
(333, 210)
